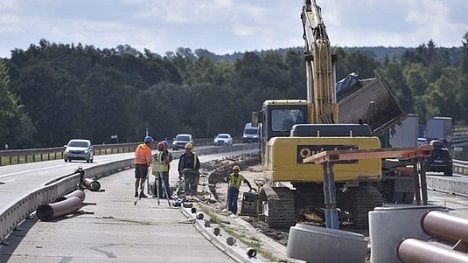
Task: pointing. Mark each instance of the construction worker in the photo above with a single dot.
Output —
(169, 155)
(234, 182)
(161, 166)
(188, 168)
(143, 160)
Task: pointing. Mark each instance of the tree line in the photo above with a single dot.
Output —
(52, 92)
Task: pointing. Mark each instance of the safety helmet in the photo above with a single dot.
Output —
(161, 146)
(148, 139)
(236, 168)
(165, 143)
(188, 146)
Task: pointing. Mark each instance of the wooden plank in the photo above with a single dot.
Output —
(346, 155)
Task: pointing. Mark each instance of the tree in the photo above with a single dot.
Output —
(393, 75)
(416, 77)
(16, 129)
(50, 96)
(443, 92)
(465, 54)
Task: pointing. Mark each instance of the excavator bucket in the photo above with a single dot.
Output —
(367, 101)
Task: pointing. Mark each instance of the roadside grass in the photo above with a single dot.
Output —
(249, 240)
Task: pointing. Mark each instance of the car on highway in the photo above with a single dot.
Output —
(222, 139)
(181, 140)
(422, 141)
(250, 133)
(440, 159)
(79, 149)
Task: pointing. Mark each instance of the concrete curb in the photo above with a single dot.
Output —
(237, 251)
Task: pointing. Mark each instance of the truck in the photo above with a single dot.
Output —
(394, 128)
(397, 184)
(439, 128)
(405, 133)
(250, 133)
(294, 129)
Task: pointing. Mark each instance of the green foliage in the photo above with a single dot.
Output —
(52, 92)
(15, 128)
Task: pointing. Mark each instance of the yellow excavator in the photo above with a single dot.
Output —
(294, 129)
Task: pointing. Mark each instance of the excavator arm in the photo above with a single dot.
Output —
(321, 96)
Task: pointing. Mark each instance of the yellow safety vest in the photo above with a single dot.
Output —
(235, 181)
(159, 165)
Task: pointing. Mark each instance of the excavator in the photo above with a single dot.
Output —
(291, 130)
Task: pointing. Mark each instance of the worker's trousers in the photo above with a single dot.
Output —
(233, 194)
(164, 176)
(191, 179)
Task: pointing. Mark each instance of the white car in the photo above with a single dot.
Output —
(223, 139)
(78, 149)
(181, 140)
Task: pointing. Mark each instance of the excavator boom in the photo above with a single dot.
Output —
(321, 95)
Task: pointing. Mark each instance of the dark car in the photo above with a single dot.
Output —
(440, 161)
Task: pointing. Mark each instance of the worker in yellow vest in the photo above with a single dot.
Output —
(162, 160)
(234, 182)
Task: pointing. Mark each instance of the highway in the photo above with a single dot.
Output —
(112, 229)
(19, 180)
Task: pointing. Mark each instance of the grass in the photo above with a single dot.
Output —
(250, 241)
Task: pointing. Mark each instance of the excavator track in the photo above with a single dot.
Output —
(276, 206)
(359, 201)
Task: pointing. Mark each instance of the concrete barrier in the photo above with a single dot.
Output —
(318, 244)
(448, 184)
(16, 212)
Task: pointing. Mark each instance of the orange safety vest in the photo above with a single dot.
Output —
(143, 154)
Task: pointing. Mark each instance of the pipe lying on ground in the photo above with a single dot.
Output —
(77, 193)
(58, 209)
(444, 226)
(91, 184)
(415, 251)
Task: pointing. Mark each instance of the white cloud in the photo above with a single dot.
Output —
(223, 26)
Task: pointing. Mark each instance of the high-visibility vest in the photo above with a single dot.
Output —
(235, 180)
(159, 165)
(194, 161)
(143, 154)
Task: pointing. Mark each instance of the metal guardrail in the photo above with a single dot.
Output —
(11, 217)
(460, 167)
(8, 157)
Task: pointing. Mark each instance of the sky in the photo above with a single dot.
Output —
(227, 26)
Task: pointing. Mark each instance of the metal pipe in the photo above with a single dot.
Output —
(77, 193)
(417, 251)
(444, 226)
(58, 209)
(91, 184)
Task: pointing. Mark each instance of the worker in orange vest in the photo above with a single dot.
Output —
(143, 160)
